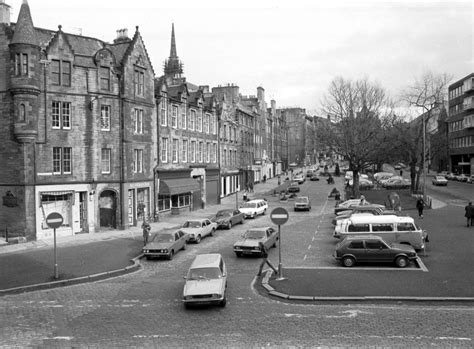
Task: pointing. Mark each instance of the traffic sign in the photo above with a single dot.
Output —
(279, 216)
(54, 220)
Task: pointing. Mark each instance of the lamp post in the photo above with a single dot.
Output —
(424, 160)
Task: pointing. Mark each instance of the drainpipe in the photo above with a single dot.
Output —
(122, 153)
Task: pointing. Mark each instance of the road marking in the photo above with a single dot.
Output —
(309, 247)
(358, 268)
(304, 258)
(421, 264)
(349, 314)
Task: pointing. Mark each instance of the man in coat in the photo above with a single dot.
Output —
(469, 214)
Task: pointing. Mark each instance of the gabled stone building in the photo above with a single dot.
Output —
(78, 128)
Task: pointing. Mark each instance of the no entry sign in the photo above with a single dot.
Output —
(54, 220)
(279, 216)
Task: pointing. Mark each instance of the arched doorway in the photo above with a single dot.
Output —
(108, 209)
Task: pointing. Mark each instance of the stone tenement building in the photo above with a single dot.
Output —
(78, 129)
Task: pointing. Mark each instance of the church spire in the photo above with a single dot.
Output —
(173, 53)
(24, 30)
(173, 66)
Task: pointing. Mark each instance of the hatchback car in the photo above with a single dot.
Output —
(199, 228)
(439, 180)
(249, 243)
(299, 178)
(206, 281)
(253, 208)
(367, 248)
(396, 183)
(228, 218)
(165, 244)
(302, 203)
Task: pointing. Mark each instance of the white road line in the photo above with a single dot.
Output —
(304, 258)
(421, 264)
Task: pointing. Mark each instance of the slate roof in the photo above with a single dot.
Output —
(26, 33)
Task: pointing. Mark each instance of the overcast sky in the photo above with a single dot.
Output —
(292, 48)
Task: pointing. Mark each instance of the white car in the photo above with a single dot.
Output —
(299, 178)
(206, 281)
(439, 180)
(196, 229)
(253, 208)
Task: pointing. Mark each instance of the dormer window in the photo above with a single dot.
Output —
(61, 72)
(104, 77)
(21, 64)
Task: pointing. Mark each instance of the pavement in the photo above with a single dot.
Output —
(30, 266)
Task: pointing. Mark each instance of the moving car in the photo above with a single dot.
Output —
(293, 187)
(206, 281)
(366, 248)
(299, 178)
(227, 218)
(356, 209)
(314, 177)
(302, 203)
(450, 176)
(199, 228)
(439, 180)
(364, 183)
(470, 179)
(249, 244)
(254, 208)
(165, 244)
(461, 177)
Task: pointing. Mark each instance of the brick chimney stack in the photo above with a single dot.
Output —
(4, 13)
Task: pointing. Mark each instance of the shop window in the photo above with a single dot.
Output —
(181, 200)
(164, 203)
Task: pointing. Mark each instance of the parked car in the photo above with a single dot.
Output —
(293, 187)
(199, 228)
(299, 178)
(382, 175)
(363, 183)
(439, 180)
(396, 183)
(254, 208)
(367, 248)
(249, 243)
(165, 244)
(461, 177)
(227, 218)
(451, 176)
(349, 204)
(314, 177)
(470, 179)
(302, 203)
(356, 209)
(206, 281)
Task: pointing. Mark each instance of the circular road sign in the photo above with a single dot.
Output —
(279, 216)
(54, 220)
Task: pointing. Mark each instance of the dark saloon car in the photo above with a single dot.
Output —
(249, 243)
(228, 218)
(373, 249)
(165, 244)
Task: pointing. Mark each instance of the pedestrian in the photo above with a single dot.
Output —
(279, 180)
(264, 178)
(469, 214)
(420, 205)
(251, 187)
(146, 232)
(264, 250)
(401, 173)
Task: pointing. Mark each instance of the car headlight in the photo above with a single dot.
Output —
(216, 295)
(145, 251)
(186, 298)
(164, 251)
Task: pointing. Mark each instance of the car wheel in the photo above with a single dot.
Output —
(348, 261)
(264, 211)
(170, 257)
(223, 302)
(238, 254)
(185, 246)
(401, 262)
(148, 257)
(186, 305)
(229, 225)
(242, 221)
(212, 232)
(198, 239)
(274, 244)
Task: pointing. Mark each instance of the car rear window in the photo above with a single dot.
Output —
(406, 227)
(356, 245)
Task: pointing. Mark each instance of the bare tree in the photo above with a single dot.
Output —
(359, 111)
(425, 96)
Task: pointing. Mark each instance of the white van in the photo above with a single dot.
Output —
(206, 281)
(391, 228)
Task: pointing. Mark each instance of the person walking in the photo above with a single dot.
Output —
(469, 214)
(146, 232)
(420, 205)
(264, 250)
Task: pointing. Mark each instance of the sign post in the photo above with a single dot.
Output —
(54, 220)
(279, 216)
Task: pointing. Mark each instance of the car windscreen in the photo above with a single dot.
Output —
(301, 200)
(192, 224)
(204, 273)
(254, 234)
(249, 205)
(224, 213)
(163, 238)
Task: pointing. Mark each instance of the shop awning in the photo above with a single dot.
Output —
(178, 186)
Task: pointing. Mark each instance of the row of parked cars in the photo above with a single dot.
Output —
(457, 177)
(371, 233)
